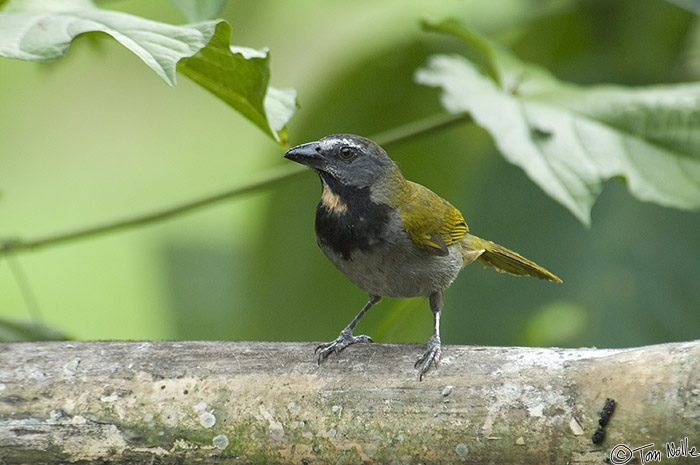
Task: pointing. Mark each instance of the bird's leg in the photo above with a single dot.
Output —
(432, 354)
(345, 338)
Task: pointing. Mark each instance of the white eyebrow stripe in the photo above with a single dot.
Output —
(330, 143)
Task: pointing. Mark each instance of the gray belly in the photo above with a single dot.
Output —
(399, 270)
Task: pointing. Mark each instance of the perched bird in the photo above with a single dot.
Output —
(392, 237)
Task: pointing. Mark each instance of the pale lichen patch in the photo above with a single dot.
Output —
(220, 441)
(207, 419)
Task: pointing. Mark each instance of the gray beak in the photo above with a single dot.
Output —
(307, 154)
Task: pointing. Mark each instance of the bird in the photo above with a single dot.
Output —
(392, 237)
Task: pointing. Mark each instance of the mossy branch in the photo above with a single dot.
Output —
(260, 402)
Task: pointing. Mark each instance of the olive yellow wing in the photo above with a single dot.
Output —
(431, 221)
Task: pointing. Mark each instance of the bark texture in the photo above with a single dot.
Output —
(268, 402)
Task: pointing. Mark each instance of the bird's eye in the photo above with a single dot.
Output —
(346, 153)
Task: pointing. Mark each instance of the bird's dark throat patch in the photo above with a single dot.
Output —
(348, 220)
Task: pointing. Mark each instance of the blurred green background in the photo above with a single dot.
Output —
(97, 136)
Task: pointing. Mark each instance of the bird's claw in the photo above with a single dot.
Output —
(343, 340)
(431, 357)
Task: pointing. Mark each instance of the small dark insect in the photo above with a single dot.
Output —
(605, 415)
(607, 412)
(598, 436)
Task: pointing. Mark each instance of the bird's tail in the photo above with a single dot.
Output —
(501, 259)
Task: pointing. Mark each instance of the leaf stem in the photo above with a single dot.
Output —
(286, 173)
(420, 127)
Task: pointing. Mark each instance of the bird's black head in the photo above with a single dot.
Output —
(350, 160)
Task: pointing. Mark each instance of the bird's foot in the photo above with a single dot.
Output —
(430, 357)
(344, 339)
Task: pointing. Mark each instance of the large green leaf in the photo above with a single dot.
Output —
(239, 76)
(570, 139)
(43, 31)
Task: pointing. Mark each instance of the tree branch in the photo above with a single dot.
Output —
(260, 402)
(410, 130)
(272, 178)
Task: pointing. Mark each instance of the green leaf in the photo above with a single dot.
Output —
(238, 76)
(280, 105)
(197, 10)
(46, 36)
(570, 139)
